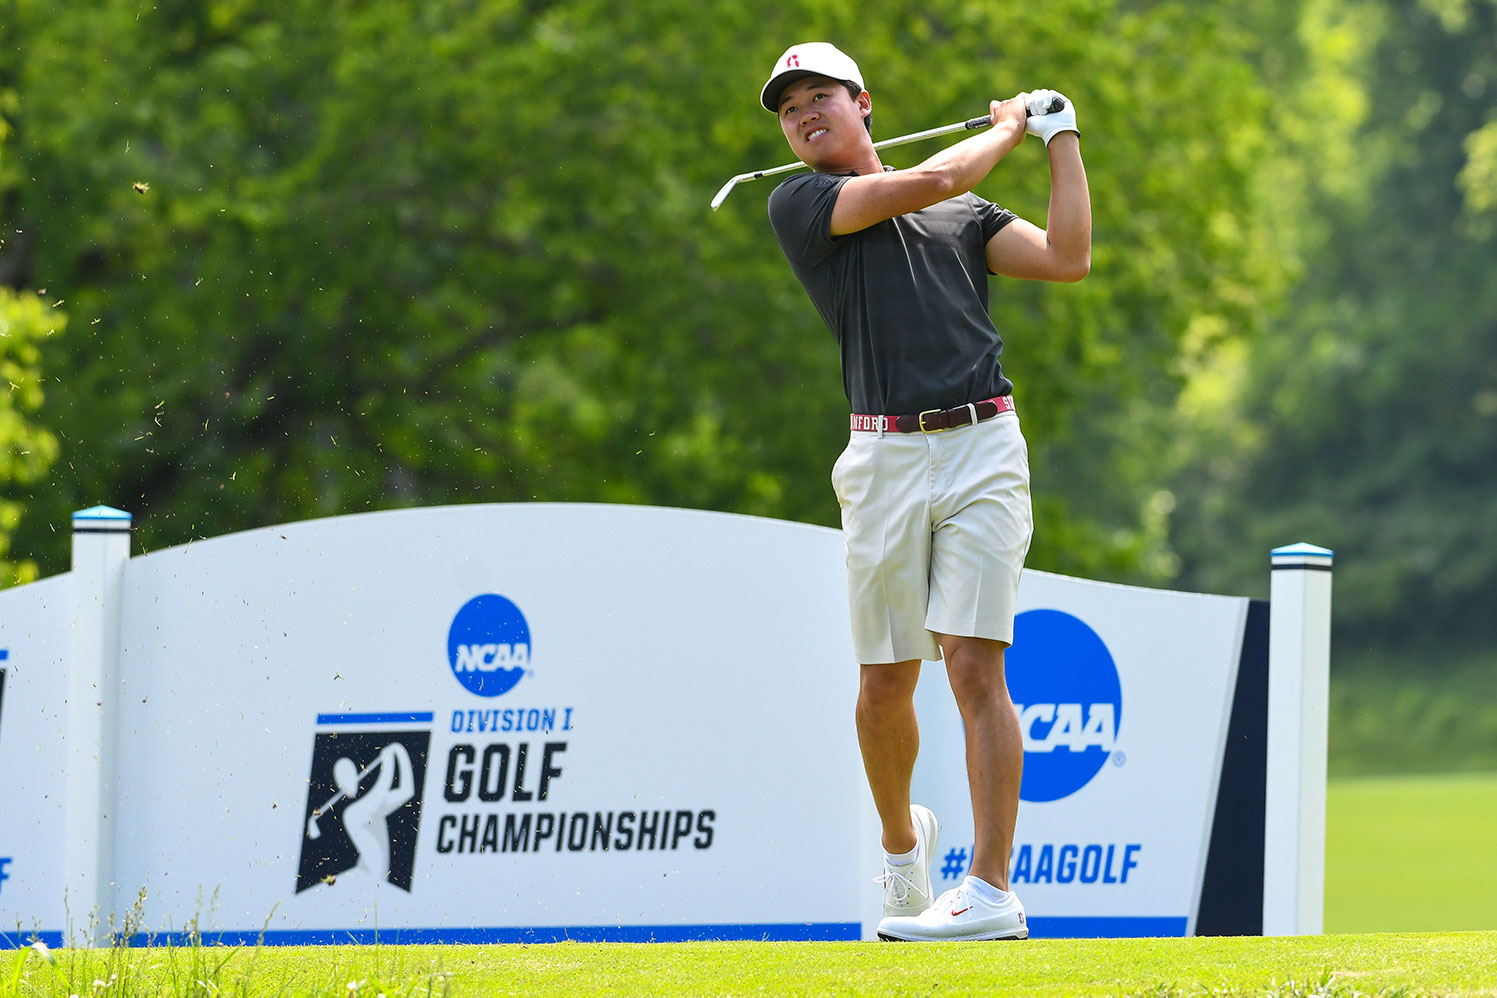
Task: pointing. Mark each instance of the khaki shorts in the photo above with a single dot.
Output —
(937, 526)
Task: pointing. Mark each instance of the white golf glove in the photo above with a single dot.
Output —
(1047, 123)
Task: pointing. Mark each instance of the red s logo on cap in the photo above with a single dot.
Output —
(792, 60)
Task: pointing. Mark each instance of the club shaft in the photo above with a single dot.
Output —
(970, 125)
(319, 812)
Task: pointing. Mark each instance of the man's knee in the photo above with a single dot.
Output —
(974, 668)
(886, 687)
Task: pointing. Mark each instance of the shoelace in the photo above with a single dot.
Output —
(897, 887)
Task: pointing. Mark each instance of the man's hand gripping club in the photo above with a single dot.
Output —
(1049, 114)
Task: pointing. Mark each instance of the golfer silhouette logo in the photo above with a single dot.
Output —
(365, 819)
(366, 788)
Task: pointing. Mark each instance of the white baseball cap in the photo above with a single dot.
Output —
(808, 59)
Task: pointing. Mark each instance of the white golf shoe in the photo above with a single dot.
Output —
(907, 886)
(960, 913)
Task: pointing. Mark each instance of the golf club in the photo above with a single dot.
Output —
(313, 831)
(970, 125)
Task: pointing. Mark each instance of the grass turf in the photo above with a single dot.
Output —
(1411, 853)
(1403, 853)
(1462, 964)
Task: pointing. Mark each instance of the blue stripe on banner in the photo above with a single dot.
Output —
(1058, 927)
(52, 939)
(4, 654)
(406, 717)
(1040, 927)
(793, 931)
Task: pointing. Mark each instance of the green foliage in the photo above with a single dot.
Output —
(26, 321)
(1478, 178)
(333, 257)
(27, 450)
(324, 258)
(1373, 397)
(1435, 717)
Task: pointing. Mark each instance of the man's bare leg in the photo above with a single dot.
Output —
(995, 750)
(890, 739)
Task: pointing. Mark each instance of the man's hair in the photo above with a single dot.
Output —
(855, 90)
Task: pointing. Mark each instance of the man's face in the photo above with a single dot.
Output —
(821, 120)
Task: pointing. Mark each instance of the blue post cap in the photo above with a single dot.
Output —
(1302, 555)
(101, 513)
(101, 519)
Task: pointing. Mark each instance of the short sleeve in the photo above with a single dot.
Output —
(992, 217)
(800, 211)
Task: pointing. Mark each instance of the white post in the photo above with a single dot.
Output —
(1299, 670)
(101, 547)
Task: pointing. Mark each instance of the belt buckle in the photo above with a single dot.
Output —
(937, 429)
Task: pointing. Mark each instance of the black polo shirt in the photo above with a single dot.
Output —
(907, 299)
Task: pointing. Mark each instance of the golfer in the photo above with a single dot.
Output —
(934, 483)
(366, 818)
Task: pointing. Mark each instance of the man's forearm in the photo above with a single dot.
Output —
(965, 164)
(1069, 226)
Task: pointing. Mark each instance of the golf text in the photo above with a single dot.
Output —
(521, 773)
(1094, 863)
(488, 774)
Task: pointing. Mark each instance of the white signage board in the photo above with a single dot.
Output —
(536, 722)
(1124, 696)
(33, 729)
(493, 723)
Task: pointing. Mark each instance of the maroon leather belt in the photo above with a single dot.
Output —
(934, 420)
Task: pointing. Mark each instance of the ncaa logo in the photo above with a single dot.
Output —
(488, 645)
(1065, 687)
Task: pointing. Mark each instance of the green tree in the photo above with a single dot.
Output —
(335, 257)
(27, 450)
(1373, 397)
(27, 321)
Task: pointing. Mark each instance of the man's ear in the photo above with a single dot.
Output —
(865, 103)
